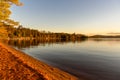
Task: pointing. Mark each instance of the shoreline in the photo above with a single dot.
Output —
(38, 68)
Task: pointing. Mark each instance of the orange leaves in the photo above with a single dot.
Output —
(5, 11)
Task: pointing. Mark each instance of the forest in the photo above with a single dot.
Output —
(22, 32)
(12, 29)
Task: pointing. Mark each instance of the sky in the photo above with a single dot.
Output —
(79, 16)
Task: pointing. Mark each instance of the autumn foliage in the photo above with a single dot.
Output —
(8, 29)
(5, 14)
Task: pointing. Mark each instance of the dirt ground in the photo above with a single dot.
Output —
(15, 65)
(13, 69)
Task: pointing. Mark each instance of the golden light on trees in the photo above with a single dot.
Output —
(5, 11)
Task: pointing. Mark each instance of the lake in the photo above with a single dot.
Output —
(95, 59)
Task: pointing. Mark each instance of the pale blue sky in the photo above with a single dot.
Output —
(79, 16)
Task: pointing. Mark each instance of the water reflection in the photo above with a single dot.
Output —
(35, 42)
(105, 39)
(96, 59)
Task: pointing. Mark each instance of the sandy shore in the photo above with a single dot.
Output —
(16, 65)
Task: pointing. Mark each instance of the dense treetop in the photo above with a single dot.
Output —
(5, 11)
(5, 14)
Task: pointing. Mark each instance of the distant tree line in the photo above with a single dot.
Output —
(22, 32)
(105, 36)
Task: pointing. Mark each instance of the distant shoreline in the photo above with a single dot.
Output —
(41, 38)
(40, 69)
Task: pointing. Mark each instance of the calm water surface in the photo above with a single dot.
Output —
(96, 59)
